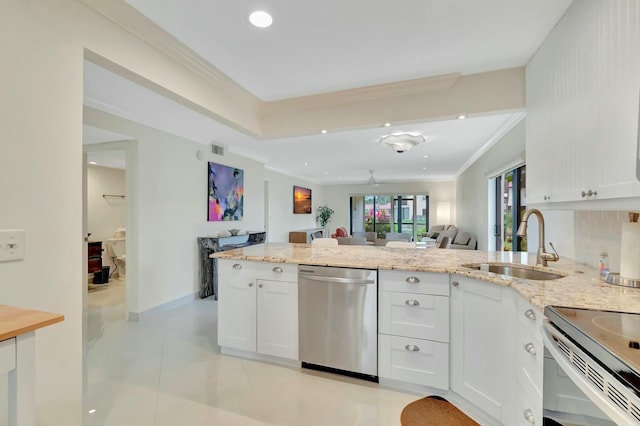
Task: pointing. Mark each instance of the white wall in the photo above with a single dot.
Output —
(42, 47)
(337, 197)
(104, 215)
(171, 205)
(280, 200)
(472, 192)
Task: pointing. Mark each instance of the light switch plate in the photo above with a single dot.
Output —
(11, 244)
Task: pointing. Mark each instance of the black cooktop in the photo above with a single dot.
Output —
(611, 338)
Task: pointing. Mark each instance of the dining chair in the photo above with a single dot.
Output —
(324, 242)
(400, 244)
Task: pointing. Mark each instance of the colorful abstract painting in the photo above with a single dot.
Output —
(301, 200)
(226, 193)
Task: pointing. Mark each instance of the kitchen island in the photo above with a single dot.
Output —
(472, 336)
(581, 287)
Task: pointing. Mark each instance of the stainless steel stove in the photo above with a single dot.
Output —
(602, 349)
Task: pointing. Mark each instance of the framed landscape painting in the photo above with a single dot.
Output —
(226, 193)
(301, 200)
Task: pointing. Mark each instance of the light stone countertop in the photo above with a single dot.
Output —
(581, 287)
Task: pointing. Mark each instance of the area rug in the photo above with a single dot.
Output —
(434, 410)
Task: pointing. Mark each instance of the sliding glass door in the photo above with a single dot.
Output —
(391, 213)
(510, 205)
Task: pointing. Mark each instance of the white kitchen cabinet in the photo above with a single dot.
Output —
(525, 341)
(236, 306)
(582, 106)
(481, 370)
(413, 327)
(277, 317)
(258, 307)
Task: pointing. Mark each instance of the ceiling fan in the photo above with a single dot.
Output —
(372, 179)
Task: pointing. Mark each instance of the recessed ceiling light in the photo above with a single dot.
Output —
(326, 173)
(323, 131)
(462, 117)
(387, 124)
(260, 19)
(425, 156)
(306, 164)
(424, 168)
(93, 163)
(92, 411)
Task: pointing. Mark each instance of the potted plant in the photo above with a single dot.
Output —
(324, 215)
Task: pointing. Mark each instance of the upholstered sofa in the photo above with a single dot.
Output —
(460, 239)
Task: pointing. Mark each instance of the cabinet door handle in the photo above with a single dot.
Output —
(277, 269)
(260, 285)
(413, 280)
(412, 348)
(547, 197)
(237, 266)
(529, 313)
(589, 193)
(250, 284)
(529, 347)
(412, 302)
(455, 283)
(528, 415)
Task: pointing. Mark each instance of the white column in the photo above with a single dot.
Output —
(22, 382)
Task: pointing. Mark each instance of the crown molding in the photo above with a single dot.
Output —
(131, 20)
(367, 93)
(510, 124)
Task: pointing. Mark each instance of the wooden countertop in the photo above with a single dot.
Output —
(16, 321)
(580, 287)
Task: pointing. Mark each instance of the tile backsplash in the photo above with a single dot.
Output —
(597, 232)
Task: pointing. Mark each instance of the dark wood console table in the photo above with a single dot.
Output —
(209, 267)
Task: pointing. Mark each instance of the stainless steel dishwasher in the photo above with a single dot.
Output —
(338, 320)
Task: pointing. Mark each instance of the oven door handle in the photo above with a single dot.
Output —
(611, 410)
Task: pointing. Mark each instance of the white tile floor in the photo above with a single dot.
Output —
(170, 372)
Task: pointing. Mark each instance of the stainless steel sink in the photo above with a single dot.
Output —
(514, 270)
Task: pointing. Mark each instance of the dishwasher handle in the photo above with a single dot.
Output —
(339, 280)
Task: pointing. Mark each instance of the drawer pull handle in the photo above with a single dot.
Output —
(237, 266)
(528, 415)
(412, 302)
(529, 347)
(412, 348)
(250, 284)
(413, 280)
(260, 285)
(277, 269)
(455, 283)
(530, 314)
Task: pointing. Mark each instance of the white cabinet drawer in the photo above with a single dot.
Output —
(422, 362)
(414, 282)
(7, 355)
(421, 316)
(229, 268)
(527, 315)
(530, 357)
(528, 407)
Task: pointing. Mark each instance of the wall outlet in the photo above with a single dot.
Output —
(11, 244)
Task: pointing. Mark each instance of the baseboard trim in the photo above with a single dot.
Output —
(260, 357)
(157, 311)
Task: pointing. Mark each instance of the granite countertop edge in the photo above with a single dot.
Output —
(580, 287)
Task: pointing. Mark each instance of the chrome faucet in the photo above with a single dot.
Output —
(542, 257)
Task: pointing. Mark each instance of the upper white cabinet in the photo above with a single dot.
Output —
(583, 91)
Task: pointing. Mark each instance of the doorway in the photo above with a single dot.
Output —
(509, 204)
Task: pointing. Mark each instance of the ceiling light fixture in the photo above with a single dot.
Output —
(461, 117)
(402, 142)
(387, 124)
(323, 131)
(260, 19)
(93, 163)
